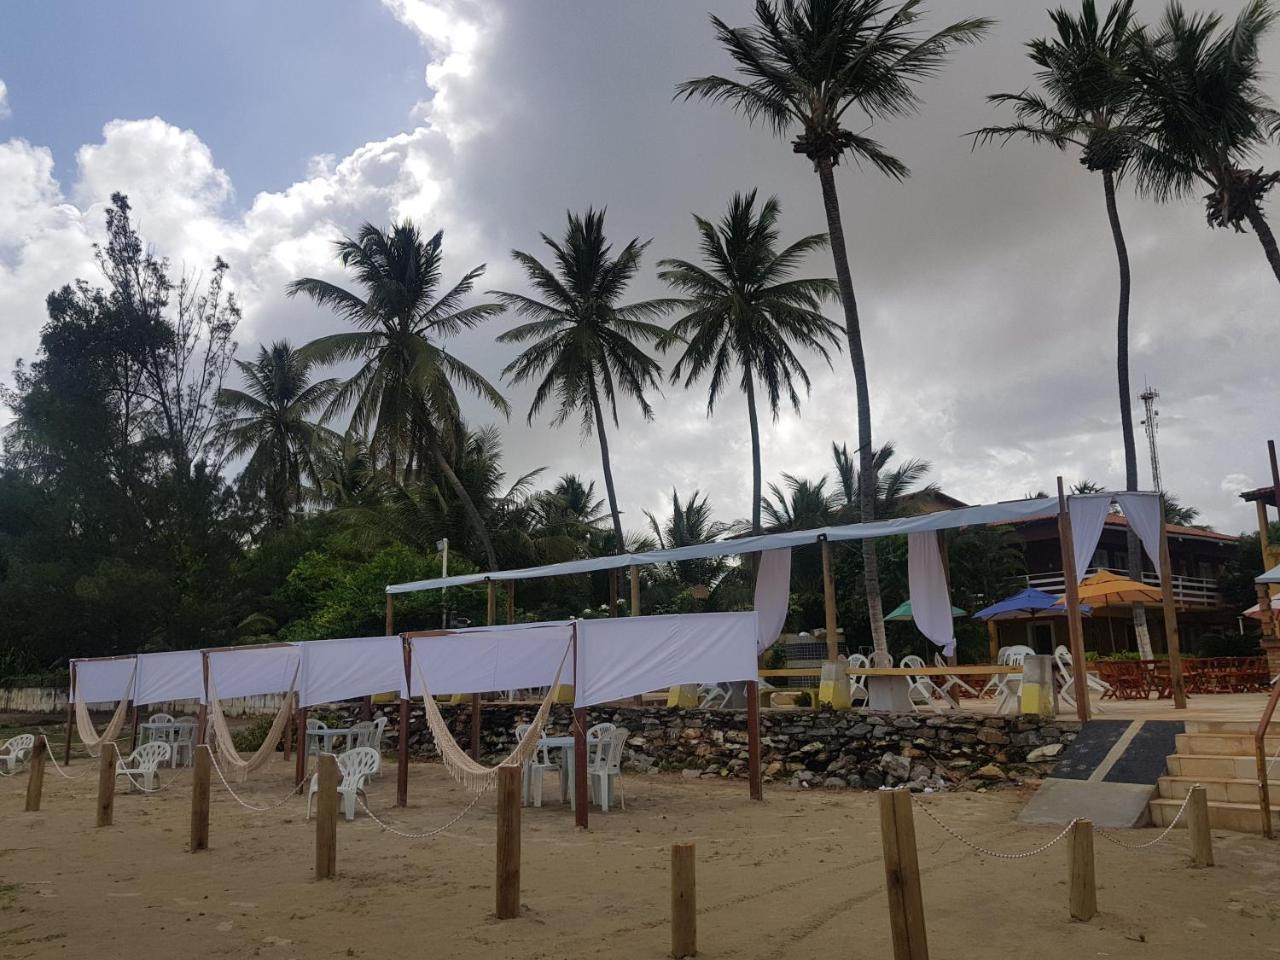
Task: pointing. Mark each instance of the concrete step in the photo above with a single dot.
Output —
(1221, 789)
(1199, 766)
(1232, 726)
(1240, 817)
(1222, 744)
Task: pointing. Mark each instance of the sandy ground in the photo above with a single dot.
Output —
(797, 875)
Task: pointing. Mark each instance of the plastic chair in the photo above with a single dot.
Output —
(160, 718)
(142, 763)
(1066, 679)
(535, 771)
(604, 768)
(361, 735)
(711, 695)
(598, 740)
(1009, 685)
(313, 742)
(356, 765)
(184, 742)
(923, 687)
(952, 681)
(16, 751)
(858, 685)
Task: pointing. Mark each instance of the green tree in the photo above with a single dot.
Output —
(690, 523)
(891, 485)
(585, 346)
(270, 421)
(800, 504)
(805, 64)
(745, 309)
(403, 391)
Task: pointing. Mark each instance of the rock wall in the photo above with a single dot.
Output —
(801, 747)
(54, 700)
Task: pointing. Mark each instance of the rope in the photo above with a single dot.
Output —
(1164, 833)
(238, 799)
(426, 834)
(995, 853)
(56, 765)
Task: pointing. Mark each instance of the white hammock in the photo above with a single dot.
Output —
(474, 776)
(84, 723)
(241, 768)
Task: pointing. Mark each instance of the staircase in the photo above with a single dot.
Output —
(1219, 755)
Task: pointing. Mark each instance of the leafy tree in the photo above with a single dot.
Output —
(690, 523)
(804, 65)
(891, 485)
(800, 504)
(745, 309)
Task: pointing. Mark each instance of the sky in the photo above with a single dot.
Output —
(262, 133)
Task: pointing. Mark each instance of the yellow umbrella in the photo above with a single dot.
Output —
(1105, 589)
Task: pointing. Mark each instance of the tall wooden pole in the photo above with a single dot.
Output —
(133, 736)
(202, 714)
(304, 745)
(35, 774)
(1075, 627)
(829, 600)
(200, 779)
(993, 639)
(327, 816)
(580, 817)
(107, 757)
(71, 702)
(507, 887)
(613, 593)
(511, 601)
(1174, 647)
(475, 727)
(491, 610)
(402, 759)
(753, 740)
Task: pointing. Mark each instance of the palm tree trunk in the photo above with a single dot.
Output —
(468, 505)
(1265, 236)
(866, 464)
(608, 472)
(1133, 547)
(755, 451)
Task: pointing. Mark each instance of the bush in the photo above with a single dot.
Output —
(251, 737)
(1228, 645)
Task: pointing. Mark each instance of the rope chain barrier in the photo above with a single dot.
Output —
(238, 799)
(995, 853)
(54, 760)
(428, 834)
(1106, 835)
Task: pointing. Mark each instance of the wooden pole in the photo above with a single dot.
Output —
(107, 782)
(1075, 627)
(491, 610)
(684, 901)
(71, 697)
(288, 735)
(753, 740)
(475, 727)
(35, 774)
(327, 817)
(133, 737)
(1084, 893)
(993, 639)
(613, 593)
(390, 625)
(402, 758)
(1170, 618)
(304, 744)
(507, 889)
(635, 591)
(829, 601)
(580, 799)
(511, 601)
(1198, 827)
(902, 876)
(200, 778)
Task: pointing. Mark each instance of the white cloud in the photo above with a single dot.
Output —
(6, 111)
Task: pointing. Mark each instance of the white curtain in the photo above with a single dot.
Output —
(1143, 512)
(1088, 513)
(175, 675)
(253, 671)
(104, 681)
(773, 595)
(499, 658)
(334, 670)
(930, 598)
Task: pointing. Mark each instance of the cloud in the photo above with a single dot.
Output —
(5, 110)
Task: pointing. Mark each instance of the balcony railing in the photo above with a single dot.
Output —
(1187, 591)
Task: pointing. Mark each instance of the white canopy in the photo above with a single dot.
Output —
(252, 671)
(478, 660)
(334, 670)
(103, 681)
(175, 675)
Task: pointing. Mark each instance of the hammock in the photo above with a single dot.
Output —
(475, 777)
(225, 743)
(84, 724)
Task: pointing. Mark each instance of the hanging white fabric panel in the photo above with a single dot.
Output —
(252, 671)
(1088, 513)
(103, 681)
(479, 660)
(334, 670)
(773, 595)
(623, 657)
(930, 597)
(176, 675)
(1143, 512)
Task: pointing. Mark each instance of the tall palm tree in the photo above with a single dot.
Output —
(891, 485)
(745, 309)
(270, 419)
(403, 391)
(690, 522)
(585, 346)
(804, 64)
(1204, 114)
(800, 504)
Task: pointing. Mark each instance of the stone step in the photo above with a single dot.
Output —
(1221, 789)
(1240, 817)
(1232, 726)
(1222, 744)
(1227, 768)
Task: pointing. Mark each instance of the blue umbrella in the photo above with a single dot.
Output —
(1027, 604)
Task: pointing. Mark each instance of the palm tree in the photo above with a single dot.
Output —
(585, 345)
(745, 309)
(270, 419)
(690, 522)
(803, 504)
(891, 485)
(1204, 114)
(805, 64)
(403, 391)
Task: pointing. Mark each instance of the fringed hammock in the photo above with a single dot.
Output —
(84, 723)
(225, 743)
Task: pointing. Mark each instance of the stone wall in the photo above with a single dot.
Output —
(799, 747)
(54, 700)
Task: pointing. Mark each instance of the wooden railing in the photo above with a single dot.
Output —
(1187, 591)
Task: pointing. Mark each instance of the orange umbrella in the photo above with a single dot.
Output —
(1105, 589)
(1256, 610)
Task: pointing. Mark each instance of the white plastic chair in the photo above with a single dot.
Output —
(1066, 679)
(922, 690)
(604, 767)
(952, 681)
(536, 769)
(160, 718)
(142, 764)
(1009, 685)
(858, 685)
(16, 751)
(361, 735)
(313, 726)
(356, 765)
(184, 742)
(711, 695)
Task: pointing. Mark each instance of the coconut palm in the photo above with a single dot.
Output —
(270, 420)
(690, 523)
(804, 65)
(891, 486)
(744, 309)
(402, 393)
(800, 504)
(1205, 114)
(584, 346)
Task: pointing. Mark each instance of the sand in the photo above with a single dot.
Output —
(797, 875)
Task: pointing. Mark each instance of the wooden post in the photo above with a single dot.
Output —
(1075, 628)
(993, 639)
(507, 889)
(35, 774)
(287, 745)
(200, 778)
(133, 737)
(829, 602)
(580, 799)
(491, 610)
(1084, 893)
(1172, 643)
(304, 744)
(902, 876)
(1198, 827)
(327, 817)
(684, 901)
(511, 601)
(613, 593)
(635, 591)
(753, 740)
(391, 615)
(107, 757)
(71, 697)
(475, 727)
(402, 758)
(202, 713)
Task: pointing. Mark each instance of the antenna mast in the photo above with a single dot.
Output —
(1149, 396)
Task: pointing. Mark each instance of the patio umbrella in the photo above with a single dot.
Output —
(1105, 589)
(1255, 612)
(903, 612)
(1027, 605)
